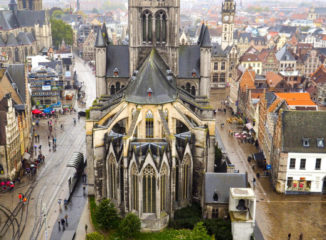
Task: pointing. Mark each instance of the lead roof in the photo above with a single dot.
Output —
(152, 74)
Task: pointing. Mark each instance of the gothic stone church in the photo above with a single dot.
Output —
(150, 134)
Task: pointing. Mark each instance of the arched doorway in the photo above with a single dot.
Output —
(324, 186)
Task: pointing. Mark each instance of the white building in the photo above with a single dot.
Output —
(299, 160)
(306, 172)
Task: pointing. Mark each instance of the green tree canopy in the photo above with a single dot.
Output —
(57, 13)
(129, 226)
(61, 31)
(199, 232)
(94, 236)
(106, 215)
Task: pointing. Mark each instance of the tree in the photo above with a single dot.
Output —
(61, 31)
(106, 215)
(94, 236)
(199, 232)
(57, 13)
(129, 226)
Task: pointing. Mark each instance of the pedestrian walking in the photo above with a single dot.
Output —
(40, 147)
(38, 137)
(63, 224)
(254, 183)
(66, 217)
(84, 189)
(301, 236)
(86, 228)
(59, 224)
(84, 177)
(35, 136)
(49, 138)
(35, 147)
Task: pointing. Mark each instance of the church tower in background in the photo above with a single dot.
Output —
(154, 24)
(228, 14)
(35, 5)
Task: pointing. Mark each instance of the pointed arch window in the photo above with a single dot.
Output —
(147, 20)
(16, 55)
(112, 90)
(164, 187)
(160, 27)
(188, 87)
(193, 90)
(186, 177)
(112, 178)
(117, 86)
(134, 188)
(149, 189)
(149, 125)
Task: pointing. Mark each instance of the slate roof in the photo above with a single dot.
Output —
(24, 18)
(221, 184)
(152, 75)
(99, 39)
(303, 124)
(270, 98)
(189, 59)
(12, 41)
(284, 54)
(217, 51)
(23, 39)
(288, 29)
(117, 57)
(17, 75)
(67, 61)
(55, 65)
(204, 39)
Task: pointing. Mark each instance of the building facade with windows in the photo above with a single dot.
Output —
(299, 152)
(150, 136)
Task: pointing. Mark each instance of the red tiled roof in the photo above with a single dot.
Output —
(273, 79)
(296, 99)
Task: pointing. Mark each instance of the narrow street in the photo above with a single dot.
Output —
(276, 215)
(50, 185)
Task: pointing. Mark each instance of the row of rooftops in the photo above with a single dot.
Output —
(22, 39)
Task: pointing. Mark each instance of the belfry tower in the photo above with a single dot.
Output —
(228, 14)
(35, 5)
(154, 24)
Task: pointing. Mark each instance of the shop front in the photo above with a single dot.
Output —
(298, 185)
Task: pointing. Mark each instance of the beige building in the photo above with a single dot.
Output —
(89, 47)
(10, 148)
(15, 118)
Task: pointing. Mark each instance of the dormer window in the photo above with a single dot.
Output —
(193, 73)
(116, 72)
(320, 143)
(305, 142)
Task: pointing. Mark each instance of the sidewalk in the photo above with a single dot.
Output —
(74, 211)
(85, 219)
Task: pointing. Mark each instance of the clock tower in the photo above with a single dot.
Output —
(228, 14)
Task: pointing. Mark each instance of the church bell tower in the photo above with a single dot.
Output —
(228, 14)
(154, 24)
(35, 5)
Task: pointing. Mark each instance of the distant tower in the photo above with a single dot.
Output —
(228, 14)
(35, 5)
(100, 56)
(78, 5)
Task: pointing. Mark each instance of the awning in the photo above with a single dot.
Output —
(26, 156)
(76, 161)
(249, 126)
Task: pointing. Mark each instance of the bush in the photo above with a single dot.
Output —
(200, 232)
(186, 217)
(220, 228)
(106, 215)
(94, 236)
(129, 226)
